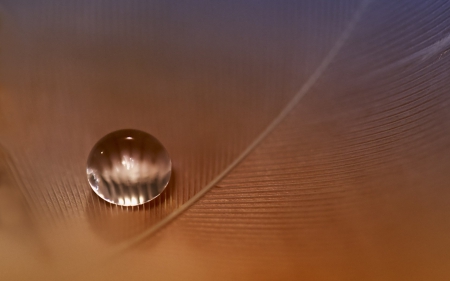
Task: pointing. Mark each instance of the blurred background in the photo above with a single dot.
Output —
(309, 139)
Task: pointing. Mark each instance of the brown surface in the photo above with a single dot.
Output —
(351, 185)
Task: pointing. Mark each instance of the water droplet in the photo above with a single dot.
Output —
(128, 167)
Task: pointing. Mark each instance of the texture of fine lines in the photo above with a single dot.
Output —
(294, 101)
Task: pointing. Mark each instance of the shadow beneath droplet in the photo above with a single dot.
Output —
(115, 224)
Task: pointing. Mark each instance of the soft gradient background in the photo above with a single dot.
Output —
(350, 182)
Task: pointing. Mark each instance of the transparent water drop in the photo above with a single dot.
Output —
(128, 167)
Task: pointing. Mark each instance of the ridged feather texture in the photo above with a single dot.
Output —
(350, 184)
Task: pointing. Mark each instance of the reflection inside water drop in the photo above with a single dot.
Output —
(128, 167)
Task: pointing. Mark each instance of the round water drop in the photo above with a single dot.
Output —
(128, 167)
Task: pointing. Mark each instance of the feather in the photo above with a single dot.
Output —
(308, 138)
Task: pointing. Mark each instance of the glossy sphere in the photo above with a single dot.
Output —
(128, 168)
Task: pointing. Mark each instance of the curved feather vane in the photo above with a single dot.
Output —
(279, 118)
